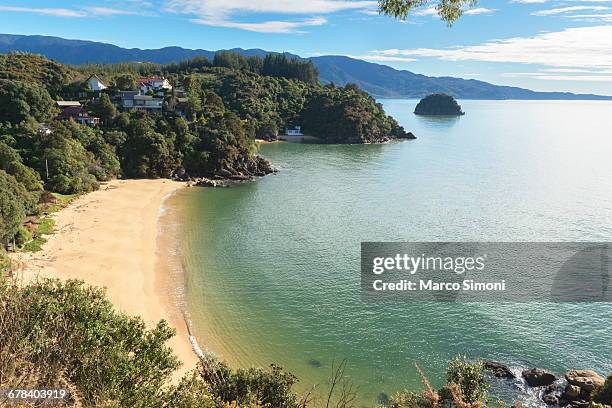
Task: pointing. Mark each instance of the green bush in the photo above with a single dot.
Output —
(603, 395)
(15, 203)
(469, 377)
(54, 332)
(22, 235)
(271, 388)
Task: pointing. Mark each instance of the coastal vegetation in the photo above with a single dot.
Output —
(68, 335)
(210, 119)
(438, 105)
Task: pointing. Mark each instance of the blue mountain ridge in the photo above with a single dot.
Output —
(377, 79)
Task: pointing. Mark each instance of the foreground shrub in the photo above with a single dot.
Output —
(67, 334)
(469, 377)
(253, 386)
(466, 387)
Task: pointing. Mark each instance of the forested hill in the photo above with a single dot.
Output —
(379, 80)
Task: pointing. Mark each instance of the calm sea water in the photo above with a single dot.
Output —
(272, 267)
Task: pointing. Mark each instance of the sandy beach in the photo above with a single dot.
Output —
(109, 238)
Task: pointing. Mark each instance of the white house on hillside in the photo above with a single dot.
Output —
(95, 83)
(153, 84)
(295, 131)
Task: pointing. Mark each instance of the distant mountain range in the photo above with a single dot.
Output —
(379, 80)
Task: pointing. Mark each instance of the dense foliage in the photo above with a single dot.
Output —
(348, 115)
(603, 395)
(67, 335)
(207, 127)
(465, 387)
(15, 203)
(438, 105)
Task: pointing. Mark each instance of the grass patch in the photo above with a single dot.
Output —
(62, 201)
(45, 227)
(46, 224)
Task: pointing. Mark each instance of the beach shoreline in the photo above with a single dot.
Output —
(121, 238)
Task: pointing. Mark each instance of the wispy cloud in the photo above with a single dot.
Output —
(478, 10)
(265, 26)
(107, 11)
(432, 11)
(217, 8)
(556, 77)
(570, 9)
(383, 58)
(222, 13)
(75, 13)
(57, 12)
(585, 47)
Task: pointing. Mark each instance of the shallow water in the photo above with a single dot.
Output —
(272, 267)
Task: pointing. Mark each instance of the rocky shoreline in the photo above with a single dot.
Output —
(575, 389)
(227, 177)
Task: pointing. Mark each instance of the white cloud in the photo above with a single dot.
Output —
(106, 11)
(478, 10)
(382, 58)
(265, 26)
(224, 8)
(433, 11)
(221, 13)
(605, 18)
(57, 12)
(563, 10)
(584, 47)
(556, 77)
(529, 1)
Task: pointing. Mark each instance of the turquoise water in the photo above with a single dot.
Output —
(272, 267)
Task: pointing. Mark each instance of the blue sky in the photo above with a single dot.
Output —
(539, 44)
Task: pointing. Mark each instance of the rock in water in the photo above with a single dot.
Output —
(498, 370)
(538, 378)
(438, 105)
(587, 380)
(571, 392)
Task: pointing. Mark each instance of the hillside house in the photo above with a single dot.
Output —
(78, 114)
(66, 104)
(134, 100)
(96, 84)
(177, 105)
(294, 131)
(153, 84)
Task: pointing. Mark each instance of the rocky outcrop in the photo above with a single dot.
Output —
(438, 105)
(571, 392)
(229, 176)
(498, 370)
(407, 135)
(586, 380)
(538, 378)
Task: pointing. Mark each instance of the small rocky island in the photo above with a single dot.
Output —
(438, 105)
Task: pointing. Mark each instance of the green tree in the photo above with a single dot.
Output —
(15, 203)
(70, 164)
(126, 82)
(11, 162)
(20, 100)
(106, 110)
(449, 10)
(147, 153)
